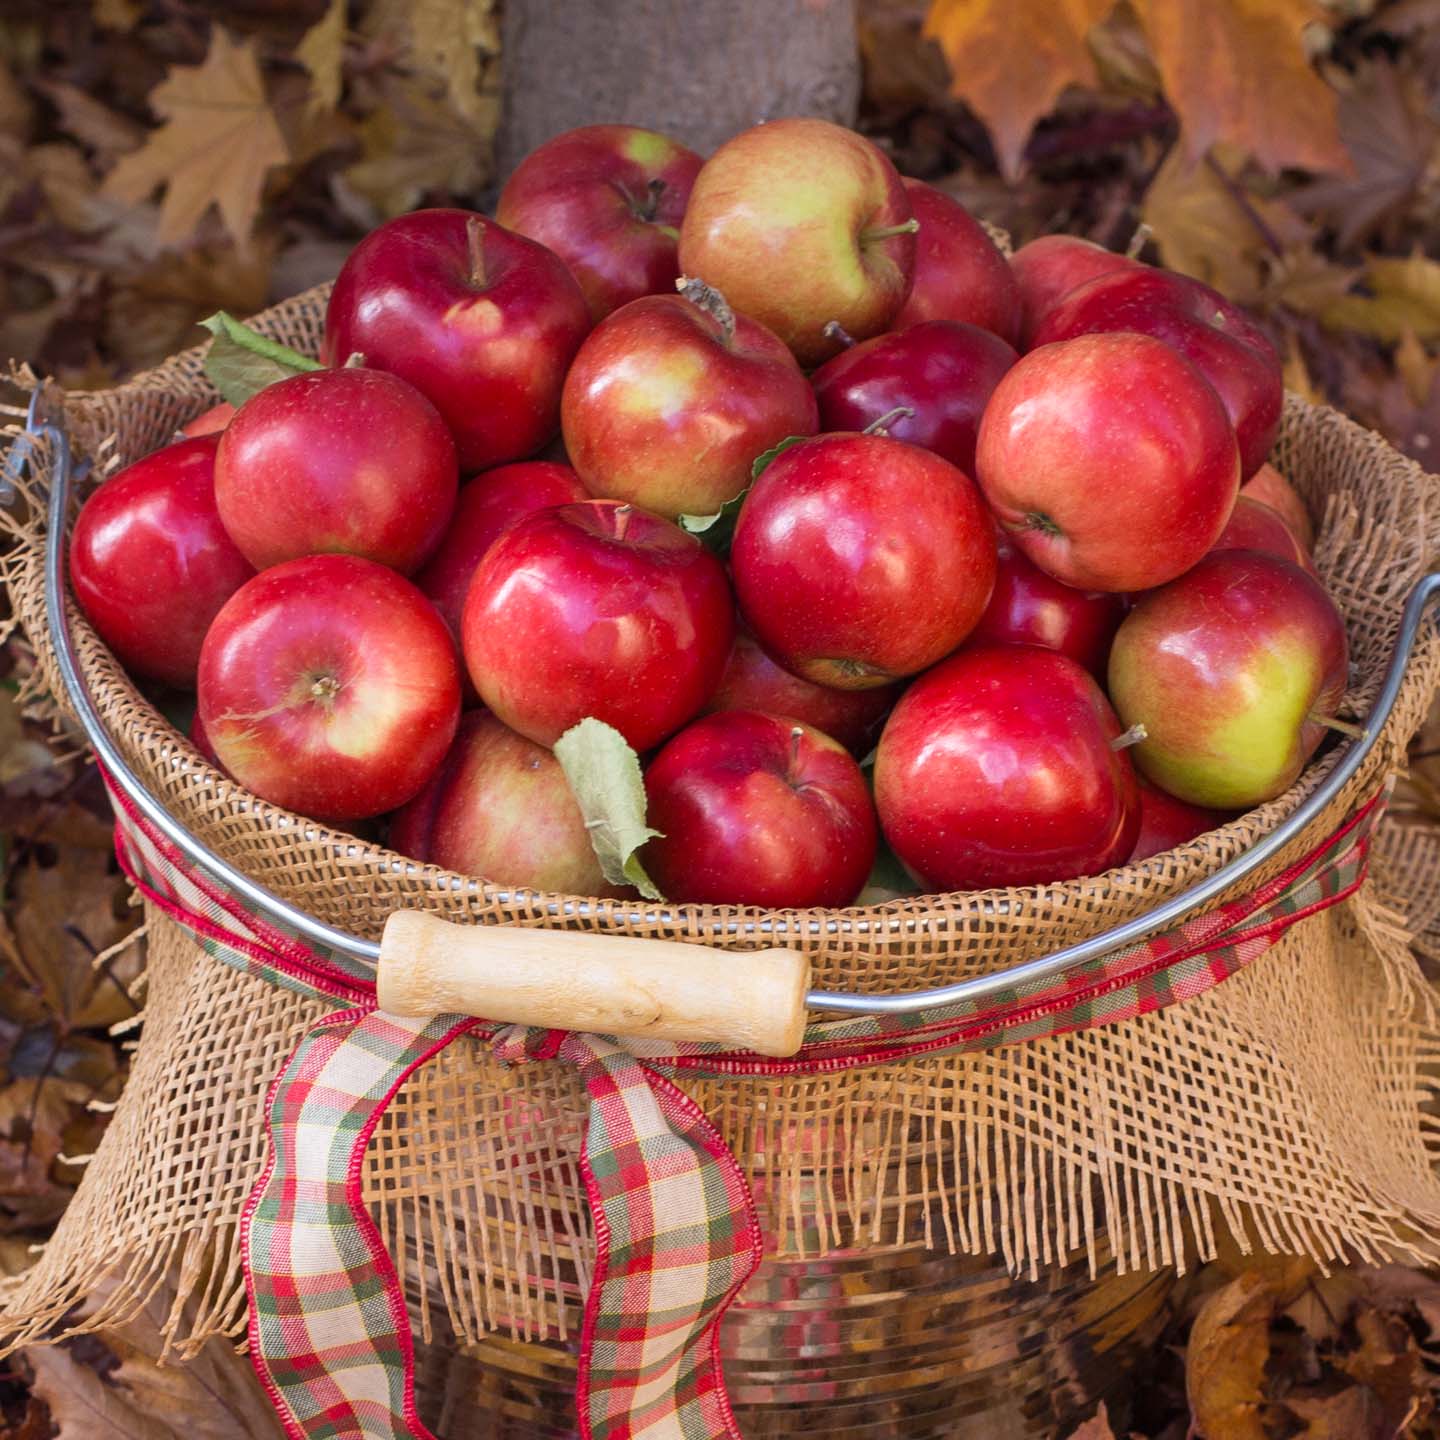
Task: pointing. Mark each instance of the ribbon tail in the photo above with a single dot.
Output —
(677, 1236)
(330, 1335)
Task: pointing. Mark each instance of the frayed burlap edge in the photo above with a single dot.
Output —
(1289, 1105)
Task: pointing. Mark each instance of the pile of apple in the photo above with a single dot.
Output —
(837, 486)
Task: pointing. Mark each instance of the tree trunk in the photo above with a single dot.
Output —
(698, 70)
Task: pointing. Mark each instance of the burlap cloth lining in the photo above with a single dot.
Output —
(1290, 1103)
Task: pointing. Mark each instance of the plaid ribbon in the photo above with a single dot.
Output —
(676, 1228)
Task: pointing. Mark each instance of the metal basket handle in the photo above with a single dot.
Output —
(725, 995)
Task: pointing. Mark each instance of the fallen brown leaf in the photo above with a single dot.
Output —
(1352, 1414)
(1011, 59)
(1236, 71)
(1097, 1427)
(218, 142)
(1225, 1360)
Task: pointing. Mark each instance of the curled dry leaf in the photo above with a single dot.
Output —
(1225, 1360)
(1097, 1427)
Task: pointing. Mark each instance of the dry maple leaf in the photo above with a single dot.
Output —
(218, 142)
(1011, 59)
(1236, 71)
(321, 51)
(1405, 297)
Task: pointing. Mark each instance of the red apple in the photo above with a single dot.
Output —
(1271, 488)
(1048, 269)
(1255, 526)
(960, 275)
(209, 422)
(1166, 823)
(999, 767)
(758, 809)
(484, 323)
(1110, 459)
(944, 372)
(488, 506)
(1231, 669)
(754, 681)
(352, 462)
(151, 563)
(500, 807)
(597, 609)
(329, 685)
(1029, 607)
(671, 399)
(858, 559)
(608, 200)
(1218, 338)
(798, 223)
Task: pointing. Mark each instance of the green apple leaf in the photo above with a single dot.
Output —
(241, 361)
(604, 776)
(716, 530)
(763, 461)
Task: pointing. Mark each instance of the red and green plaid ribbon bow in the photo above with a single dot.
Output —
(676, 1227)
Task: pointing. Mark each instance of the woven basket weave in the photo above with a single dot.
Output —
(1286, 1104)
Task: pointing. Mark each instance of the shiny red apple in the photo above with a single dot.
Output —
(500, 807)
(1218, 338)
(597, 609)
(1253, 525)
(671, 399)
(486, 508)
(999, 767)
(858, 559)
(152, 564)
(945, 373)
(330, 686)
(1029, 607)
(608, 200)
(1232, 669)
(482, 321)
(1110, 459)
(1048, 269)
(960, 274)
(757, 809)
(352, 461)
(798, 223)
(753, 680)
(1271, 488)
(1166, 823)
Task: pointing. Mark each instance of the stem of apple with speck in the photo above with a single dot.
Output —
(622, 520)
(711, 301)
(878, 426)
(834, 330)
(475, 244)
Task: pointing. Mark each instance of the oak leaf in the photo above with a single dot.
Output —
(1011, 59)
(1236, 71)
(218, 142)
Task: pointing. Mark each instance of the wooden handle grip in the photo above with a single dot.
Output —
(607, 984)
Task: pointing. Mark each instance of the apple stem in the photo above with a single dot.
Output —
(878, 427)
(475, 243)
(1138, 240)
(653, 191)
(797, 734)
(1133, 736)
(622, 520)
(834, 330)
(711, 301)
(887, 232)
(1341, 727)
(355, 360)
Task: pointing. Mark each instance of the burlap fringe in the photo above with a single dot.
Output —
(1290, 1106)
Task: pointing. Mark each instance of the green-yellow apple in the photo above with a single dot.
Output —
(1233, 670)
(800, 223)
